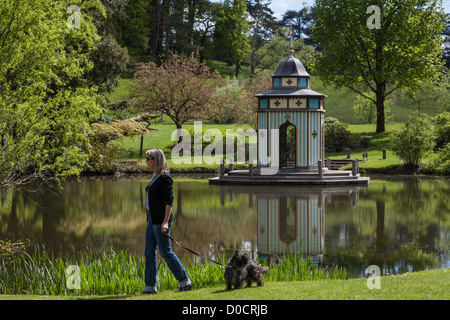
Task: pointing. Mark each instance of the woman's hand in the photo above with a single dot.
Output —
(165, 224)
(164, 227)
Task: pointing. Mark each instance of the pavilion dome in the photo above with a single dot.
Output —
(291, 67)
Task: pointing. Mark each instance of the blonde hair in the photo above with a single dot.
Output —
(160, 160)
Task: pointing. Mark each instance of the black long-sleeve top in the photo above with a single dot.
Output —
(160, 194)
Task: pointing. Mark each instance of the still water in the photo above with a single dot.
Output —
(398, 224)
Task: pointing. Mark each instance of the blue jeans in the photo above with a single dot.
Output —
(154, 239)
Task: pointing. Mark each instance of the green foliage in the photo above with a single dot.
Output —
(331, 120)
(440, 164)
(293, 267)
(104, 153)
(136, 25)
(364, 141)
(231, 101)
(9, 249)
(402, 53)
(337, 136)
(109, 62)
(365, 110)
(414, 141)
(231, 32)
(45, 108)
(273, 52)
(442, 129)
(237, 137)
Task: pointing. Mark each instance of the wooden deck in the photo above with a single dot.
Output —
(291, 177)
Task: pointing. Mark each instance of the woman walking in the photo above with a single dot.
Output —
(158, 205)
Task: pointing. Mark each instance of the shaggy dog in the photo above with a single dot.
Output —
(242, 269)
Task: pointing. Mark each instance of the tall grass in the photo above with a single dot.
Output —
(115, 273)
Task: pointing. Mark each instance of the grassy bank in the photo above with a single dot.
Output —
(123, 273)
(424, 285)
(160, 138)
(379, 141)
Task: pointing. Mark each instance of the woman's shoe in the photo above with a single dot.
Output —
(185, 288)
(149, 290)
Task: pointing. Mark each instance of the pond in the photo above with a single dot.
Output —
(400, 224)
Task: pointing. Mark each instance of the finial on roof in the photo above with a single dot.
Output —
(291, 47)
(291, 51)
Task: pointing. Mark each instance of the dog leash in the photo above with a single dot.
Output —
(191, 251)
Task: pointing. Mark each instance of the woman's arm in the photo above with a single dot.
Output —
(167, 190)
(165, 224)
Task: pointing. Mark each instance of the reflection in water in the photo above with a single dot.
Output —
(399, 225)
(291, 223)
(292, 220)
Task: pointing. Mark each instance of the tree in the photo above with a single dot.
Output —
(273, 52)
(403, 52)
(45, 120)
(231, 33)
(264, 24)
(446, 37)
(134, 24)
(301, 22)
(181, 87)
(414, 141)
(109, 58)
(443, 90)
(109, 62)
(173, 26)
(205, 24)
(248, 103)
(366, 111)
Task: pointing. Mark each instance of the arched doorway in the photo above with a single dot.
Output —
(288, 134)
(288, 220)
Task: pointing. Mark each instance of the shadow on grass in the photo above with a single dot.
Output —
(109, 297)
(231, 290)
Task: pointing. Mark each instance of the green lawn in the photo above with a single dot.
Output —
(379, 142)
(424, 285)
(161, 139)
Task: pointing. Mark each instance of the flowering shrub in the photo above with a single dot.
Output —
(364, 141)
(337, 136)
(414, 141)
(440, 164)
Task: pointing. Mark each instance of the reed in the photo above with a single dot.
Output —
(115, 273)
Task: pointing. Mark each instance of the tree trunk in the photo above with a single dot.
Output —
(252, 56)
(238, 69)
(155, 41)
(180, 136)
(380, 83)
(252, 63)
(380, 107)
(192, 6)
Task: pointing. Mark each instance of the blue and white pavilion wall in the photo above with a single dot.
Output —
(309, 140)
